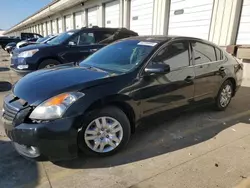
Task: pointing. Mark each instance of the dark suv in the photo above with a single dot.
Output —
(71, 46)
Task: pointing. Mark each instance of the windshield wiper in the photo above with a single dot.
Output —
(94, 68)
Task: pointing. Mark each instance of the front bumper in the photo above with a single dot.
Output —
(20, 72)
(56, 140)
(15, 61)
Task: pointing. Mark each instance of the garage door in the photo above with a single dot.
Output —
(78, 20)
(60, 25)
(141, 16)
(244, 28)
(92, 17)
(54, 27)
(68, 24)
(44, 30)
(190, 18)
(112, 14)
(49, 28)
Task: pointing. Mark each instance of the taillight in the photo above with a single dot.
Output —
(240, 63)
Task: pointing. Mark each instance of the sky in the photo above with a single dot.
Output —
(14, 11)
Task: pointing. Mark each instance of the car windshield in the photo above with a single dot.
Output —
(42, 39)
(61, 38)
(121, 57)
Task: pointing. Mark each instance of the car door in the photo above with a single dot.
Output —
(80, 46)
(171, 90)
(208, 67)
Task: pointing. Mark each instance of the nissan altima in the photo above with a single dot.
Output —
(95, 106)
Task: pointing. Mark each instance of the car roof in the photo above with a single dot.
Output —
(92, 28)
(166, 38)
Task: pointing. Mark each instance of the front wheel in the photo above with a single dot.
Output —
(48, 63)
(104, 132)
(224, 95)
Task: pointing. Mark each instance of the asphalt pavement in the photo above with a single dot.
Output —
(197, 148)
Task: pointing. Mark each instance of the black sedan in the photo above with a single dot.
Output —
(96, 105)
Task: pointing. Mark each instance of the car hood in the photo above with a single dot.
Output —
(38, 86)
(34, 46)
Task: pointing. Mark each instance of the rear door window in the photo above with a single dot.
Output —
(203, 53)
(102, 35)
(26, 35)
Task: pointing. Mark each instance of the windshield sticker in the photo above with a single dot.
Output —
(147, 43)
(70, 33)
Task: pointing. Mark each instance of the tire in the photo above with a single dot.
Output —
(115, 114)
(218, 103)
(47, 62)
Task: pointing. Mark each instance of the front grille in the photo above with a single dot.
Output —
(15, 109)
(9, 112)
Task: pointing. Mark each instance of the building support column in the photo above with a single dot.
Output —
(85, 15)
(161, 17)
(126, 13)
(121, 8)
(101, 15)
(63, 23)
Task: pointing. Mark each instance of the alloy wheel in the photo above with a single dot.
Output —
(226, 95)
(103, 134)
(49, 66)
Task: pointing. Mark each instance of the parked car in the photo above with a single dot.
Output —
(46, 39)
(32, 41)
(28, 42)
(71, 46)
(23, 36)
(10, 46)
(96, 105)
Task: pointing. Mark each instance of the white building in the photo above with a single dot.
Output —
(221, 21)
(2, 32)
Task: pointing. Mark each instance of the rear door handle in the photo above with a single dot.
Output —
(222, 69)
(93, 50)
(189, 78)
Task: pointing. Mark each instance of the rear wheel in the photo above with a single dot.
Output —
(48, 63)
(224, 95)
(104, 132)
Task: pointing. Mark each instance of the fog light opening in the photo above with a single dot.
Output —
(21, 67)
(32, 150)
(27, 151)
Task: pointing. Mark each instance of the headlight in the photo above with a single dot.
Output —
(55, 107)
(29, 53)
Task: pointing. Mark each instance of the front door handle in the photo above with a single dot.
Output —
(189, 78)
(221, 69)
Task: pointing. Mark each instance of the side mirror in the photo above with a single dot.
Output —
(71, 43)
(157, 68)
